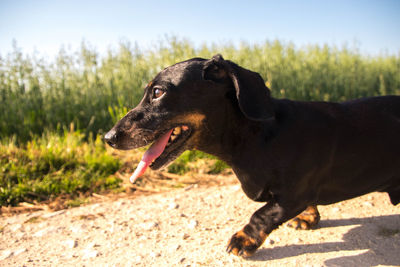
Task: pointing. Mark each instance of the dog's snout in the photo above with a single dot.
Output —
(111, 137)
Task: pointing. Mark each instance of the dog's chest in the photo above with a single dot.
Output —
(254, 187)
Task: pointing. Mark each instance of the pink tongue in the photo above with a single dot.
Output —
(151, 154)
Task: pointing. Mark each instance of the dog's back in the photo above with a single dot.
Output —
(377, 122)
(349, 148)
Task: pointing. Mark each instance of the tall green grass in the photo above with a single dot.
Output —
(55, 164)
(40, 98)
(92, 91)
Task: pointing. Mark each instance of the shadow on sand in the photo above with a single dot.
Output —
(380, 235)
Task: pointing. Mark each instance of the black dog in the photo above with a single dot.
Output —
(292, 155)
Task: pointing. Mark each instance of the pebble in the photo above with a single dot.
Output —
(237, 188)
(20, 235)
(28, 227)
(335, 209)
(92, 245)
(46, 231)
(269, 242)
(41, 233)
(153, 250)
(297, 240)
(173, 205)
(192, 224)
(111, 228)
(120, 203)
(148, 226)
(368, 204)
(16, 227)
(77, 229)
(154, 255)
(189, 187)
(6, 254)
(19, 251)
(71, 243)
(89, 253)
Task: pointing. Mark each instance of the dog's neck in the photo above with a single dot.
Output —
(244, 145)
(239, 154)
(237, 137)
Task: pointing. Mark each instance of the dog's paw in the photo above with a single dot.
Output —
(307, 220)
(242, 245)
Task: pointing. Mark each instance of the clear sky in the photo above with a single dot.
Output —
(45, 25)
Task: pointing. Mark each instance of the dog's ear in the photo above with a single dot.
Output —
(215, 69)
(252, 94)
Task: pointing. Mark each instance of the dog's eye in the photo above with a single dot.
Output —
(157, 93)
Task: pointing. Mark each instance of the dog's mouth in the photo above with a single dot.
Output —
(164, 149)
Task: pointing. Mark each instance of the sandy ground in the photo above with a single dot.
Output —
(191, 227)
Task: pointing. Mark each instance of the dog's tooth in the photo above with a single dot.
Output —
(185, 128)
(177, 131)
(173, 137)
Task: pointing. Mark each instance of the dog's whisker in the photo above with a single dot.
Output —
(145, 141)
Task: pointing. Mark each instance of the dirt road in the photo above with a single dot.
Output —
(191, 227)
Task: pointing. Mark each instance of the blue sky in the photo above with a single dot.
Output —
(46, 25)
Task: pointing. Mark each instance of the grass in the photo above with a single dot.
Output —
(34, 219)
(41, 98)
(70, 164)
(195, 161)
(76, 202)
(54, 164)
(92, 91)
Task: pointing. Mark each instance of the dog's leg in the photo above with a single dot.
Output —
(263, 221)
(306, 220)
(394, 196)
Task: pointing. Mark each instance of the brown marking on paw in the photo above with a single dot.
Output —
(241, 244)
(307, 220)
(263, 236)
(248, 241)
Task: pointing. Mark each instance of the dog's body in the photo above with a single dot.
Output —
(290, 154)
(322, 153)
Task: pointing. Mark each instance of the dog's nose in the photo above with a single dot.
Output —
(111, 137)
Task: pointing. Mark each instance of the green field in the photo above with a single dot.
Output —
(41, 98)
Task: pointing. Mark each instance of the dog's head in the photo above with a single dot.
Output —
(183, 104)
